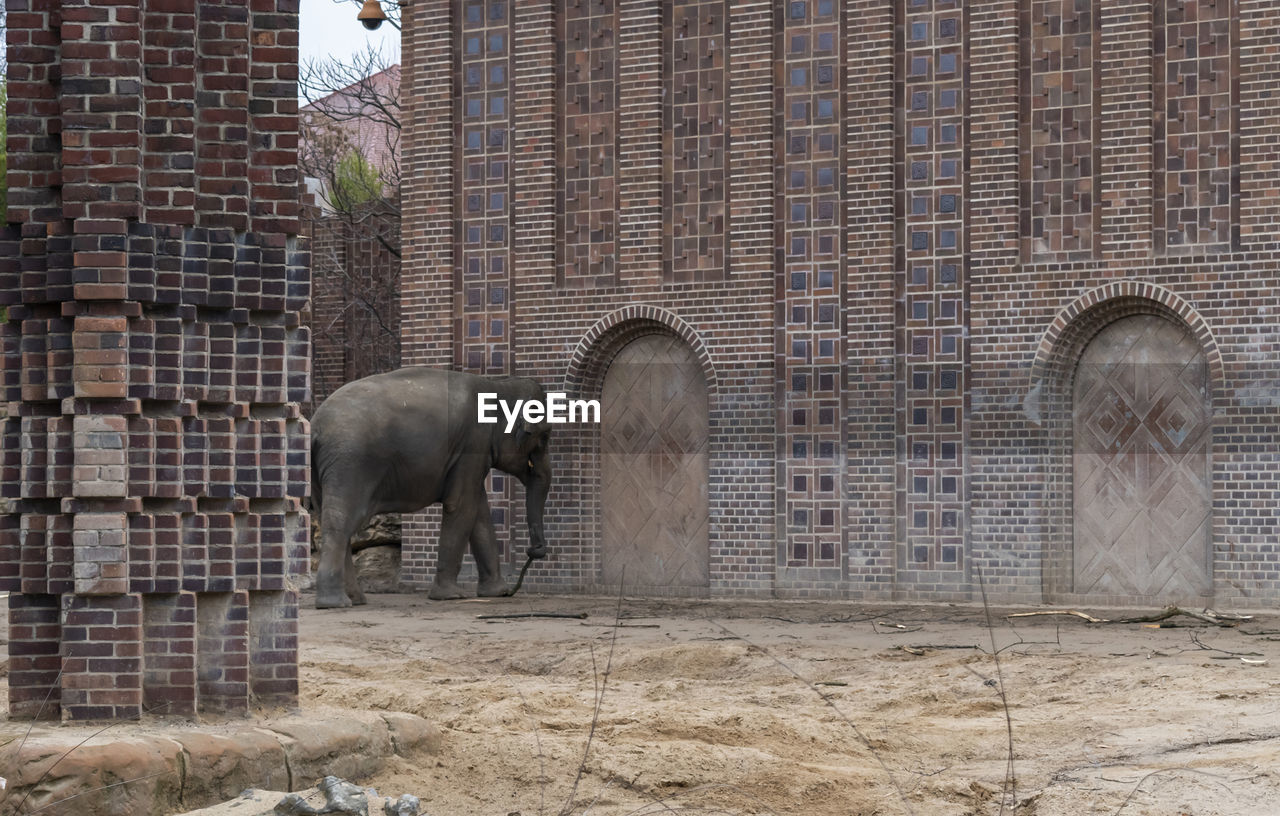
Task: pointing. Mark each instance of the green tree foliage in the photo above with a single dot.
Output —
(355, 183)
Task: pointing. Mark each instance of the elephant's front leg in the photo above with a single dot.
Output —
(484, 548)
(455, 529)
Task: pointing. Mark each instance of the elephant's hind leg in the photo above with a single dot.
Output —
(351, 579)
(337, 525)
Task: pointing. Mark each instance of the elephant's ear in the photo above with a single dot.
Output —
(528, 436)
(525, 436)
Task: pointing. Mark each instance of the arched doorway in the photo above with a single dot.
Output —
(654, 469)
(1142, 491)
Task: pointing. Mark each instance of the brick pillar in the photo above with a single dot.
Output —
(154, 456)
(273, 639)
(222, 652)
(34, 656)
(810, 282)
(870, 297)
(932, 314)
(169, 653)
(427, 273)
(1259, 65)
(101, 657)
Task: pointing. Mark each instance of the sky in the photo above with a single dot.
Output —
(329, 29)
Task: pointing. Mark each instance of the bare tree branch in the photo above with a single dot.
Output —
(349, 151)
(353, 106)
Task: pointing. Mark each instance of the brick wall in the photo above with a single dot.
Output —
(154, 456)
(887, 229)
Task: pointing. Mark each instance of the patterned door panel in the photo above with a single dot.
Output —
(1142, 494)
(654, 467)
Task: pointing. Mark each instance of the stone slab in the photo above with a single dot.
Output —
(160, 768)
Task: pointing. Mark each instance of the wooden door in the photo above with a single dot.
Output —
(1143, 500)
(654, 463)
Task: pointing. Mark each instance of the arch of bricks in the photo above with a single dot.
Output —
(1076, 324)
(154, 458)
(584, 375)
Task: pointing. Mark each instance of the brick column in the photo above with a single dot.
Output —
(101, 657)
(810, 155)
(933, 313)
(1259, 144)
(751, 143)
(169, 653)
(869, 298)
(1127, 105)
(273, 644)
(638, 156)
(35, 637)
(483, 240)
(154, 456)
(427, 277)
(1003, 471)
(222, 652)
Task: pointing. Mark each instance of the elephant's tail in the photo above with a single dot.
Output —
(315, 476)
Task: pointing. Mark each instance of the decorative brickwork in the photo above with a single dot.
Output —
(1062, 114)
(696, 121)
(589, 141)
(486, 192)
(891, 384)
(155, 458)
(1196, 145)
(869, 313)
(810, 230)
(484, 240)
(931, 335)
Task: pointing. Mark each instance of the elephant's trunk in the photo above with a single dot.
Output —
(535, 500)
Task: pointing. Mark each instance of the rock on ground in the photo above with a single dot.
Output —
(383, 531)
(379, 569)
(331, 797)
(377, 555)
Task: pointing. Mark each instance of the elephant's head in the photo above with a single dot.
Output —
(524, 452)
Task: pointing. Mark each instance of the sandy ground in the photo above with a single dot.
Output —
(703, 709)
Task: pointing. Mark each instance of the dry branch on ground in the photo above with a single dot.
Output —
(1224, 619)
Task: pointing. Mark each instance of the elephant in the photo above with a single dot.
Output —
(404, 440)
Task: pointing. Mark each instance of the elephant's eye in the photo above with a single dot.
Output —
(530, 464)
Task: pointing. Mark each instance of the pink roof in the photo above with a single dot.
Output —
(366, 127)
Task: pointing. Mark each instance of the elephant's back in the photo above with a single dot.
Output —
(385, 438)
(392, 410)
(404, 389)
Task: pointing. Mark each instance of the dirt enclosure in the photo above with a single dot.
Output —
(702, 710)
(733, 707)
